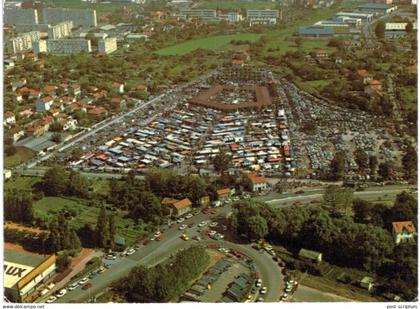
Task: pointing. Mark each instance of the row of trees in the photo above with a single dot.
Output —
(57, 181)
(164, 282)
(18, 206)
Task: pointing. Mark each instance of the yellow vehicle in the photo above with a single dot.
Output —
(185, 237)
(101, 270)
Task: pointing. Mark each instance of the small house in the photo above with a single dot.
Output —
(310, 256)
(44, 104)
(367, 283)
(181, 207)
(259, 183)
(403, 231)
(224, 193)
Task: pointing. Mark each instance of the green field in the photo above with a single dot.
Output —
(409, 97)
(236, 4)
(214, 42)
(23, 154)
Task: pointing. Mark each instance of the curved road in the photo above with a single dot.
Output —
(157, 251)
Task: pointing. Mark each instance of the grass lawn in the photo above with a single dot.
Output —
(21, 183)
(313, 86)
(50, 206)
(23, 154)
(236, 4)
(214, 42)
(409, 97)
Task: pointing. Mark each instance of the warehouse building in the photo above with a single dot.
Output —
(377, 8)
(365, 17)
(264, 17)
(24, 274)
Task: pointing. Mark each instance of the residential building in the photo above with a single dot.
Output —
(365, 75)
(377, 8)
(311, 256)
(16, 133)
(203, 14)
(9, 118)
(117, 87)
(80, 18)
(117, 103)
(61, 30)
(44, 104)
(232, 17)
(107, 46)
(40, 46)
(19, 16)
(373, 86)
(74, 90)
(367, 283)
(23, 42)
(181, 207)
(68, 46)
(321, 54)
(7, 174)
(97, 113)
(259, 183)
(24, 273)
(224, 193)
(403, 231)
(265, 17)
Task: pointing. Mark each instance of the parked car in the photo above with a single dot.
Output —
(254, 290)
(213, 224)
(87, 286)
(180, 220)
(263, 290)
(258, 283)
(185, 237)
(73, 286)
(111, 256)
(61, 293)
(202, 223)
(130, 251)
(260, 300)
(51, 299)
(182, 227)
(83, 281)
(189, 216)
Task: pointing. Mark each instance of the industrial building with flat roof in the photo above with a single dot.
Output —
(377, 8)
(24, 273)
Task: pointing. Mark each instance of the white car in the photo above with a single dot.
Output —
(260, 300)
(288, 289)
(211, 233)
(61, 293)
(51, 299)
(180, 220)
(111, 257)
(182, 227)
(189, 216)
(258, 283)
(73, 286)
(130, 251)
(202, 223)
(157, 234)
(263, 290)
(213, 224)
(83, 281)
(153, 238)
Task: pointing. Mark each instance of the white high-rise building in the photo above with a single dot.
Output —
(107, 45)
(23, 42)
(18, 16)
(61, 30)
(80, 18)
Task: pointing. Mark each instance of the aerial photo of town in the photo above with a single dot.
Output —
(212, 151)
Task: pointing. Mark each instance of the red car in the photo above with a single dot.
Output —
(87, 286)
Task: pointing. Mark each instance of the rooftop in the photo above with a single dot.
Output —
(399, 227)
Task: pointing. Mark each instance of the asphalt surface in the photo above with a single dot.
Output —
(157, 251)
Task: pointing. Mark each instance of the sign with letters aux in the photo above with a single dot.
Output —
(14, 272)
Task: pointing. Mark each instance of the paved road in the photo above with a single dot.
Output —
(156, 252)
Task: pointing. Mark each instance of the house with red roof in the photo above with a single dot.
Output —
(97, 113)
(373, 87)
(365, 75)
(403, 231)
(259, 183)
(9, 118)
(44, 104)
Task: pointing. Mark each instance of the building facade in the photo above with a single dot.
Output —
(265, 17)
(23, 42)
(204, 14)
(61, 30)
(107, 46)
(68, 46)
(80, 18)
(19, 16)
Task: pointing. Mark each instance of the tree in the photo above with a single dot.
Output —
(222, 161)
(337, 166)
(404, 209)
(409, 162)
(18, 206)
(386, 170)
(63, 262)
(362, 159)
(380, 30)
(102, 229)
(55, 181)
(56, 138)
(373, 164)
(56, 127)
(409, 27)
(257, 227)
(10, 150)
(112, 231)
(298, 42)
(338, 200)
(78, 185)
